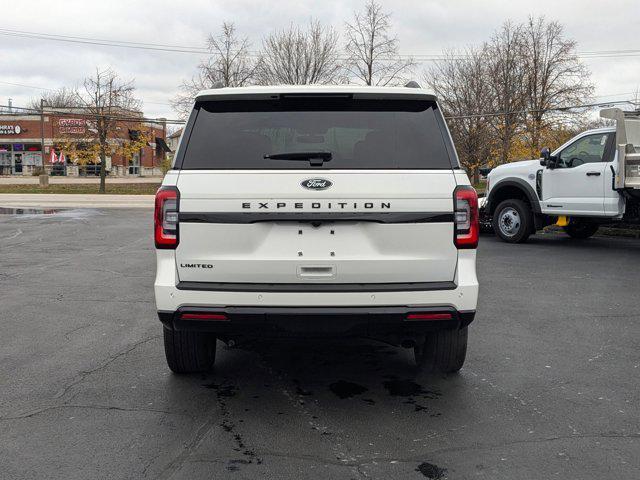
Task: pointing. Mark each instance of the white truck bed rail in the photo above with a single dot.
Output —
(628, 145)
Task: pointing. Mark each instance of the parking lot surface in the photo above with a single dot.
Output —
(550, 388)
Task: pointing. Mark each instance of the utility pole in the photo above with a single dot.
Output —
(44, 178)
(164, 139)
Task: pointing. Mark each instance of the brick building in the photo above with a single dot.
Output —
(22, 137)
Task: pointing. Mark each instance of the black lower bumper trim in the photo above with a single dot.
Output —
(316, 287)
(316, 321)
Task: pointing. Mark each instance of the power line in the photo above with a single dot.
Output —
(616, 94)
(117, 117)
(23, 85)
(418, 57)
(169, 104)
(449, 117)
(51, 89)
(116, 43)
(54, 35)
(540, 110)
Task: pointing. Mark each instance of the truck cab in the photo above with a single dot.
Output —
(592, 179)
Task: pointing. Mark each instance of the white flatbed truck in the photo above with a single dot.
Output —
(591, 180)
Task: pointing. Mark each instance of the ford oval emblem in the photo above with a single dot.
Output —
(316, 183)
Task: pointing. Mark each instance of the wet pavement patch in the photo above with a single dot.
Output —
(416, 406)
(57, 213)
(222, 390)
(223, 393)
(28, 211)
(432, 471)
(234, 465)
(301, 391)
(347, 389)
(408, 388)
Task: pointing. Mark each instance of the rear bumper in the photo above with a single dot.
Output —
(369, 311)
(375, 322)
(461, 294)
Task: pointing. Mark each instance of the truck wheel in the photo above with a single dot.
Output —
(443, 351)
(581, 229)
(189, 352)
(513, 221)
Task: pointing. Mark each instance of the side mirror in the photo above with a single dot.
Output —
(546, 158)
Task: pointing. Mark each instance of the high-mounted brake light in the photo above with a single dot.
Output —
(166, 217)
(466, 221)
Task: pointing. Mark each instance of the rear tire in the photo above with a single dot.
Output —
(513, 221)
(443, 351)
(581, 229)
(189, 352)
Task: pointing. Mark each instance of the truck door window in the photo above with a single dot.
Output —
(588, 149)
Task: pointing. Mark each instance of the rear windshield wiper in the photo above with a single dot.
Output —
(315, 158)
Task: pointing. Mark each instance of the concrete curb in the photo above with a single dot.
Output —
(49, 200)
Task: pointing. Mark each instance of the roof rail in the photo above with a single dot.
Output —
(412, 84)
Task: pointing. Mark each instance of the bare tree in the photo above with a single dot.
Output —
(107, 99)
(372, 50)
(554, 77)
(300, 57)
(231, 61)
(512, 83)
(60, 98)
(461, 84)
(229, 65)
(506, 77)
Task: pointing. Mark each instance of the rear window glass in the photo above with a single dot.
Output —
(359, 134)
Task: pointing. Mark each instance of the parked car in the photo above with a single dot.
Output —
(316, 211)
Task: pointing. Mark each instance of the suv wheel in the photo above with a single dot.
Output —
(443, 351)
(189, 352)
(581, 229)
(513, 221)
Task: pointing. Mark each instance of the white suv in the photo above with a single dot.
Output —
(305, 211)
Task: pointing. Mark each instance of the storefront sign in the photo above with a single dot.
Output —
(10, 129)
(72, 125)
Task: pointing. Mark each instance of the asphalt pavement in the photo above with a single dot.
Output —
(550, 388)
(74, 200)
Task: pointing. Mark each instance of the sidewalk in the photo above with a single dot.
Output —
(48, 200)
(28, 180)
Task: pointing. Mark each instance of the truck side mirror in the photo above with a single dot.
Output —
(546, 160)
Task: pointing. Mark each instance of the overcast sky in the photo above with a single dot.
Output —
(423, 27)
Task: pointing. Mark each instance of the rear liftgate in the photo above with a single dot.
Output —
(370, 231)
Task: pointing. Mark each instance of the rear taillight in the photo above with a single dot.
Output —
(166, 217)
(466, 222)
